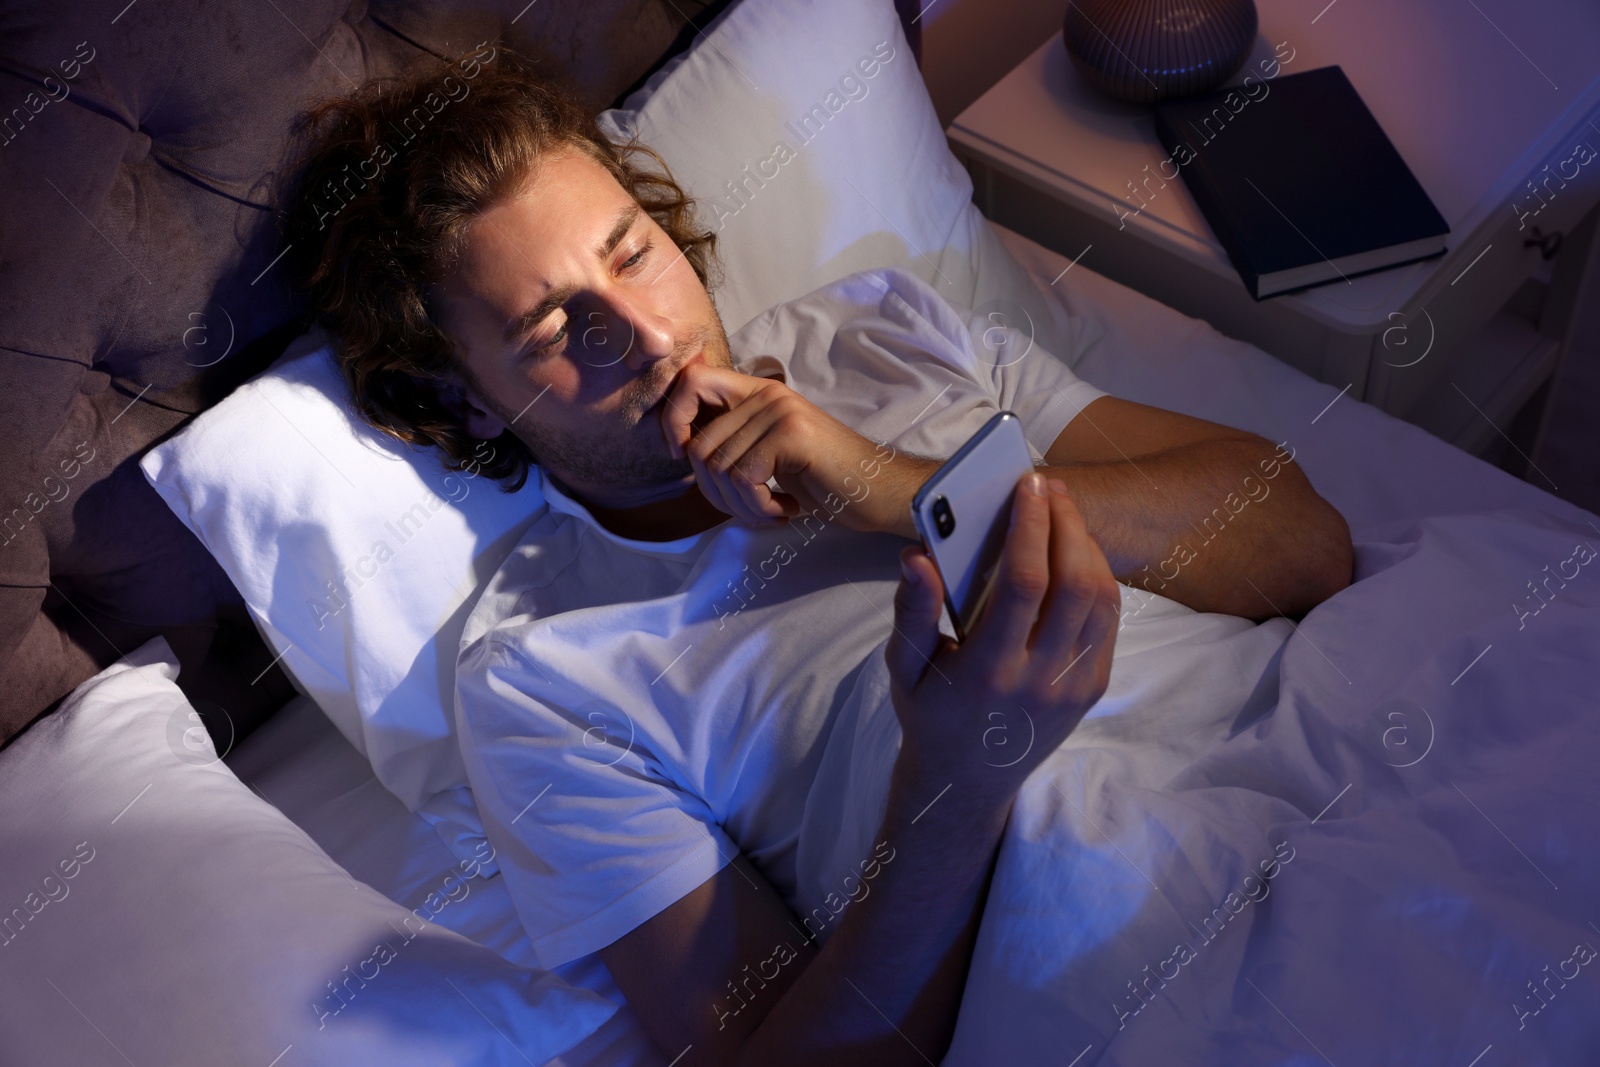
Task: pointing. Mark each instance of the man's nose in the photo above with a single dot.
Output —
(633, 333)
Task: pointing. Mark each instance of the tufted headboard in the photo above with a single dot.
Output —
(139, 140)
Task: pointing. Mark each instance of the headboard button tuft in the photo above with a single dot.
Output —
(137, 148)
(95, 381)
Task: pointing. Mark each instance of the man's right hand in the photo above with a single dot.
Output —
(984, 713)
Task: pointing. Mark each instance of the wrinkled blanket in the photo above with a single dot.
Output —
(1369, 838)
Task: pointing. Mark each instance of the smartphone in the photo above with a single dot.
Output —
(963, 511)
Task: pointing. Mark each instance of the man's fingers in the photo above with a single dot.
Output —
(749, 481)
(1079, 575)
(1082, 680)
(678, 413)
(729, 438)
(677, 422)
(710, 488)
(696, 385)
(725, 453)
(721, 439)
(745, 497)
(917, 604)
(1001, 632)
(1100, 636)
(734, 452)
(741, 490)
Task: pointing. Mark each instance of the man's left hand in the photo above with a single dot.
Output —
(752, 429)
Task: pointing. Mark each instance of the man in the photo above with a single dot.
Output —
(651, 679)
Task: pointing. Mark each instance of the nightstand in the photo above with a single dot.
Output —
(1491, 109)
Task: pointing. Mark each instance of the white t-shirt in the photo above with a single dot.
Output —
(633, 713)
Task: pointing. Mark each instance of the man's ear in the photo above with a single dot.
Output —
(464, 404)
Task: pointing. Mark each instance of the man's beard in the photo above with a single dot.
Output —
(616, 457)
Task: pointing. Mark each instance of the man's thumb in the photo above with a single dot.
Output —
(917, 603)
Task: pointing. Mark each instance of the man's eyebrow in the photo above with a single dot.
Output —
(520, 325)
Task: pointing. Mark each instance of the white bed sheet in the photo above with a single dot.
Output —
(1374, 468)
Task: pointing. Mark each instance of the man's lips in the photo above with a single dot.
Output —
(672, 383)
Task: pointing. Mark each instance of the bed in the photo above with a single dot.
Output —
(1366, 836)
(300, 762)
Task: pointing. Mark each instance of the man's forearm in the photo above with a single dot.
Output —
(885, 988)
(1230, 525)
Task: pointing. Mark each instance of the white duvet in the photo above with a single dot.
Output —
(1372, 838)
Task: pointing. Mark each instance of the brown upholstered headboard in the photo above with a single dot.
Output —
(138, 140)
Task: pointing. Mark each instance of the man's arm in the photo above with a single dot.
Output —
(729, 975)
(1215, 518)
(885, 988)
(1212, 517)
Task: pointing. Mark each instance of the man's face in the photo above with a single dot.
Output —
(575, 311)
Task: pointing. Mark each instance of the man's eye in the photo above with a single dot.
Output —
(551, 345)
(637, 257)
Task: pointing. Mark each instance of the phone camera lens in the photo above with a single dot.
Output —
(944, 520)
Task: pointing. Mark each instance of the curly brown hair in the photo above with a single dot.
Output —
(376, 211)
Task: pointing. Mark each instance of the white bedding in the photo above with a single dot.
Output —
(1411, 769)
(299, 762)
(1401, 890)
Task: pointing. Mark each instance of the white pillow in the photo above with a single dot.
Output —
(291, 491)
(805, 131)
(156, 911)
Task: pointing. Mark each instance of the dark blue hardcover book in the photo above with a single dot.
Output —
(1299, 182)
